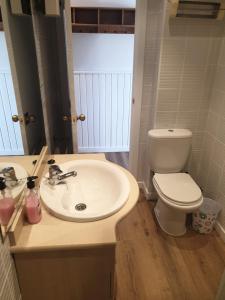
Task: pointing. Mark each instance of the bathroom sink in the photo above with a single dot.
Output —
(21, 175)
(99, 190)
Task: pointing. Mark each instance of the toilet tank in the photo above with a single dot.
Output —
(169, 149)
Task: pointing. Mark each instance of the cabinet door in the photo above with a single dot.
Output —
(23, 62)
(81, 274)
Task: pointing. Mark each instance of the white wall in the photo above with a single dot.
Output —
(103, 52)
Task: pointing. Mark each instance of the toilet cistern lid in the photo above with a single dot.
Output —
(179, 187)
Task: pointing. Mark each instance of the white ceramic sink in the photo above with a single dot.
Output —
(21, 175)
(100, 185)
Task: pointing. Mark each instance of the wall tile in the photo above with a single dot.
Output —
(170, 76)
(212, 184)
(168, 99)
(190, 99)
(165, 119)
(197, 50)
(221, 129)
(173, 51)
(193, 77)
(214, 52)
(154, 30)
(187, 120)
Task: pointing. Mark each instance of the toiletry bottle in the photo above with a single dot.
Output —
(7, 205)
(32, 202)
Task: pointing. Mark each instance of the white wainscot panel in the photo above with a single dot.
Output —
(105, 99)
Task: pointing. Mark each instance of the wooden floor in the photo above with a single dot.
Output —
(153, 265)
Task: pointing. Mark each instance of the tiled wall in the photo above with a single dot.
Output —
(179, 95)
(212, 169)
(184, 87)
(188, 59)
(155, 16)
(9, 288)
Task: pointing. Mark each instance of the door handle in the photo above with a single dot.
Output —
(26, 118)
(81, 117)
(73, 119)
(17, 118)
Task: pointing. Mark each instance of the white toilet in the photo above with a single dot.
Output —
(178, 194)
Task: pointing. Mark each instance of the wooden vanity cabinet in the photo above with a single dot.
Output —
(77, 274)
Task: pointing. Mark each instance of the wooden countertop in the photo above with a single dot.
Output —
(53, 233)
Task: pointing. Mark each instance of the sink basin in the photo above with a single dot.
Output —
(21, 174)
(99, 190)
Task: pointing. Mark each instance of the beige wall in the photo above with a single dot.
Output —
(9, 288)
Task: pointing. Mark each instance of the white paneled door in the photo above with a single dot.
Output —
(105, 99)
(10, 134)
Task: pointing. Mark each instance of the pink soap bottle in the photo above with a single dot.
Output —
(7, 205)
(32, 202)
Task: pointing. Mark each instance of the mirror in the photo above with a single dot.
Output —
(21, 121)
(34, 35)
(14, 170)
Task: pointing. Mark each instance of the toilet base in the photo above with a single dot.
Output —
(171, 220)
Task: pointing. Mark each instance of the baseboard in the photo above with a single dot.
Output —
(148, 195)
(219, 228)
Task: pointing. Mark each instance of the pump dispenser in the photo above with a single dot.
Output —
(32, 202)
(7, 205)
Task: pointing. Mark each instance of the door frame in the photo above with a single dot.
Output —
(137, 85)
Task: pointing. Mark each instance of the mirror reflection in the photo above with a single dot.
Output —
(21, 122)
(14, 171)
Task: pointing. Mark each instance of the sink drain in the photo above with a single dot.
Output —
(80, 206)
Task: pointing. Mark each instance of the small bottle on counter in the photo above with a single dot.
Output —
(32, 202)
(7, 204)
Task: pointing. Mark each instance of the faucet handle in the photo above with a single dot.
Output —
(54, 170)
(10, 176)
(9, 173)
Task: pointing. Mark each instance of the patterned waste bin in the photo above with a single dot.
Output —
(205, 217)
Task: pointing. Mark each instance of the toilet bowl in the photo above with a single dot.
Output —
(178, 194)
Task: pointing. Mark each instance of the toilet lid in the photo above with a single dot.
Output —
(178, 187)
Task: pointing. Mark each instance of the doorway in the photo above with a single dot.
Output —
(103, 49)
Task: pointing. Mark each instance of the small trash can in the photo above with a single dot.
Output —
(205, 217)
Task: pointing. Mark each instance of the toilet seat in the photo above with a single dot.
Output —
(177, 188)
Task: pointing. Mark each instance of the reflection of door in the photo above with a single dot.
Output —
(21, 49)
(10, 134)
(54, 56)
(69, 63)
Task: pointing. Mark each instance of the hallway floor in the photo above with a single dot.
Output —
(119, 158)
(153, 265)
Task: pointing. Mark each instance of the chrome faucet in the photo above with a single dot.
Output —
(55, 177)
(10, 176)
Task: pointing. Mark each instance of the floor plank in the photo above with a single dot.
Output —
(153, 265)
